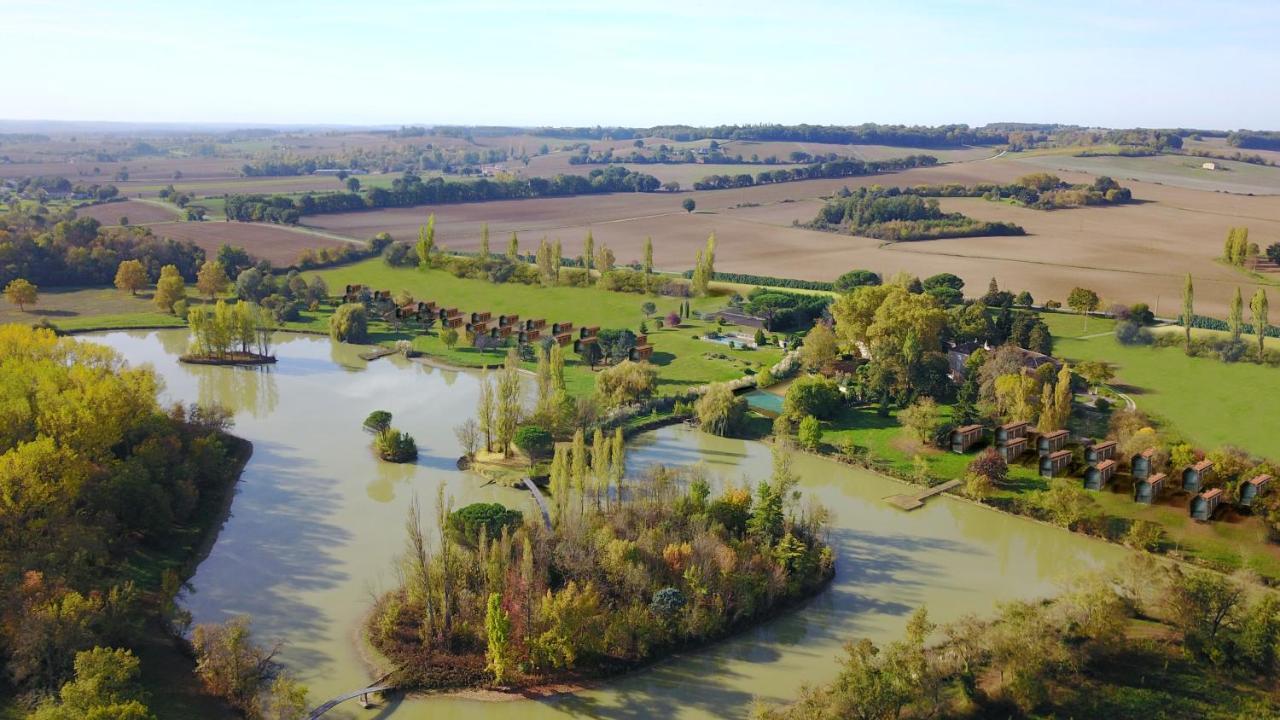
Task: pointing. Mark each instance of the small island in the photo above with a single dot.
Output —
(238, 334)
(624, 573)
(391, 444)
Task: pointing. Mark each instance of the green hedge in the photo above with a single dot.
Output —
(769, 281)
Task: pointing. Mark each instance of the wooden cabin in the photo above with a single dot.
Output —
(1097, 452)
(1011, 431)
(528, 336)
(642, 340)
(1252, 488)
(563, 339)
(505, 320)
(1013, 449)
(1052, 442)
(583, 342)
(352, 293)
(477, 328)
(963, 438)
(1054, 463)
(561, 327)
(532, 324)
(1097, 476)
(453, 321)
(501, 332)
(481, 317)
(1140, 464)
(588, 332)
(446, 313)
(1194, 477)
(641, 353)
(1203, 504)
(1147, 490)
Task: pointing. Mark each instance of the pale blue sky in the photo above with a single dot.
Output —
(1116, 63)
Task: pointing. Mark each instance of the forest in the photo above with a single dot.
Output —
(1255, 139)
(61, 250)
(830, 169)
(896, 215)
(865, 134)
(627, 573)
(103, 495)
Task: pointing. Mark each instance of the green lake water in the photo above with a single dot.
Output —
(318, 521)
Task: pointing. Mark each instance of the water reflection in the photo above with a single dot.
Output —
(318, 521)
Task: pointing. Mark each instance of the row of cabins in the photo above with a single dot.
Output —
(1015, 439)
(484, 323)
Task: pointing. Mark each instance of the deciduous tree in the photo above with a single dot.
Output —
(131, 276)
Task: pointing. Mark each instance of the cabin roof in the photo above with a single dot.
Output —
(1059, 454)
(1148, 453)
(1014, 425)
(1202, 466)
(968, 428)
(1259, 479)
(1158, 477)
(1055, 434)
(1210, 494)
(1106, 464)
(1016, 441)
(1104, 444)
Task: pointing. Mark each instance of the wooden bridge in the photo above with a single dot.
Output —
(539, 498)
(378, 686)
(911, 502)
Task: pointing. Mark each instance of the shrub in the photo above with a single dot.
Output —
(812, 395)
(855, 278)
(668, 601)
(395, 446)
(990, 465)
(534, 441)
(810, 432)
(465, 523)
(349, 323)
(1130, 332)
(377, 421)
(626, 383)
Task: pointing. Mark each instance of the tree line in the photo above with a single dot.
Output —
(832, 169)
(865, 134)
(898, 214)
(412, 190)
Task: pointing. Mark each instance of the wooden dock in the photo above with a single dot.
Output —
(539, 498)
(378, 686)
(911, 502)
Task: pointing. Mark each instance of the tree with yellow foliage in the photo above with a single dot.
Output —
(131, 276)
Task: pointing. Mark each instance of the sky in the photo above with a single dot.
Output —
(1130, 63)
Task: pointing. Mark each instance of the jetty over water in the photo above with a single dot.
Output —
(539, 498)
(377, 686)
(916, 500)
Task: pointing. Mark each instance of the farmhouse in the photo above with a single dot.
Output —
(1193, 478)
(1140, 464)
(1148, 489)
(1052, 442)
(1011, 431)
(1013, 449)
(1054, 463)
(1097, 452)
(958, 355)
(963, 438)
(1203, 505)
(1252, 488)
(1097, 477)
(1209, 166)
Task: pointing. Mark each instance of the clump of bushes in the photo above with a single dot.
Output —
(467, 523)
(349, 323)
(395, 446)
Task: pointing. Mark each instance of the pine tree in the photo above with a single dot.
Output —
(1259, 306)
(1188, 309)
(1235, 316)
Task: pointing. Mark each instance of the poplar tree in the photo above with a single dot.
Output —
(618, 462)
(599, 465)
(648, 259)
(1259, 306)
(485, 409)
(1235, 316)
(513, 247)
(484, 242)
(579, 468)
(588, 252)
(426, 242)
(1188, 309)
(557, 261)
(1062, 397)
(507, 416)
(1048, 414)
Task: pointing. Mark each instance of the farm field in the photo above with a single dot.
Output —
(1210, 402)
(281, 245)
(683, 360)
(1135, 253)
(1177, 170)
(138, 212)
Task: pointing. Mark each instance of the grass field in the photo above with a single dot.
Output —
(83, 308)
(683, 360)
(1178, 170)
(1211, 403)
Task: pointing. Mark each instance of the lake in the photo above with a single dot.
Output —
(318, 522)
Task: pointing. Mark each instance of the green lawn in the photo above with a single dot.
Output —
(89, 308)
(683, 360)
(1211, 403)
